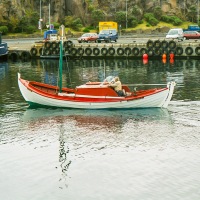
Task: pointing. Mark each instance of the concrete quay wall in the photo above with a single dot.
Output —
(153, 48)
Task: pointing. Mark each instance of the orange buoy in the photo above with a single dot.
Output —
(171, 55)
(164, 56)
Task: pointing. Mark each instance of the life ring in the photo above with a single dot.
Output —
(172, 44)
(189, 50)
(143, 51)
(157, 44)
(88, 51)
(111, 51)
(135, 51)
(150, 51)
(197, 50)
(47, 52)
(127, 51)
(73, 51)
(47, 44)
(25, 55)
(157, 51)
(179, 51)
(149, 44)
(96, 51)
(80, 51)
(164, 44)
(120, 51)
(34, 51)
(104, 51)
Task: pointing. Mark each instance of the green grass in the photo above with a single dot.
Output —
(142, 26)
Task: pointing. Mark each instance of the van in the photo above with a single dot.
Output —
(175, 33)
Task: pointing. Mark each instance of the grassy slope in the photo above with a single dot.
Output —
(143, 26)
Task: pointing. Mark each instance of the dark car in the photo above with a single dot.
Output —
(108, 35)
(88, 37)
(191, 35)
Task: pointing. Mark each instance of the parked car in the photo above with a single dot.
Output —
(191, 35)
(88, 37)
(175, 33)
(108, 35)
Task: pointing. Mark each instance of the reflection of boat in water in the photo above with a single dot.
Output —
(3, 69)
(91, 118)
(3, 49)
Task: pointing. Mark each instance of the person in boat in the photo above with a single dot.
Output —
(117, 86)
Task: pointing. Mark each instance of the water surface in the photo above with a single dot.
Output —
(106, 154)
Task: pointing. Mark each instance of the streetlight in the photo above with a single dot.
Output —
(198, 12)
(126, 14)
(40, 21)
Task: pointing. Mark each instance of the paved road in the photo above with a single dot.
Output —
(26, 43)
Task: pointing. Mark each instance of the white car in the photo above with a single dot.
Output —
(175, 33)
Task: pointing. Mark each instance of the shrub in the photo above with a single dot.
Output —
(30, 29)
(171, 19)
(86, 30)
(56, 25)
(148, 25)
(4, 30)
(151, 19)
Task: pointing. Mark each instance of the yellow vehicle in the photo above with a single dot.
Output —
(107, 25)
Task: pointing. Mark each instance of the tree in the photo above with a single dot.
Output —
(192, 13)
(157, 12)
(97, 15)
(121, 18)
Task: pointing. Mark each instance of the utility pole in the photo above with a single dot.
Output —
(126, 15)
(40, 22)
(198, 12)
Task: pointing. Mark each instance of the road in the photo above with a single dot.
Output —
(26, 43)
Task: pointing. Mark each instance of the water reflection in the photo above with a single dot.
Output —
(92, 118)
(63, 155)
(3, 69)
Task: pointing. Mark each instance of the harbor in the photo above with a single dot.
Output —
(131, 47)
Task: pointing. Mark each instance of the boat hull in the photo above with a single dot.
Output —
(156, 100)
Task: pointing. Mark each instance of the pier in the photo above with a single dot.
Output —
(154, 48)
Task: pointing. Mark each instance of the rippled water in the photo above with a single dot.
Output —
(80, 154)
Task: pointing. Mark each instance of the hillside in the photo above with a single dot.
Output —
(59, 9)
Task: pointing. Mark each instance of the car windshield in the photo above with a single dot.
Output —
(86, 35)
(107, 32)
(173, 32)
